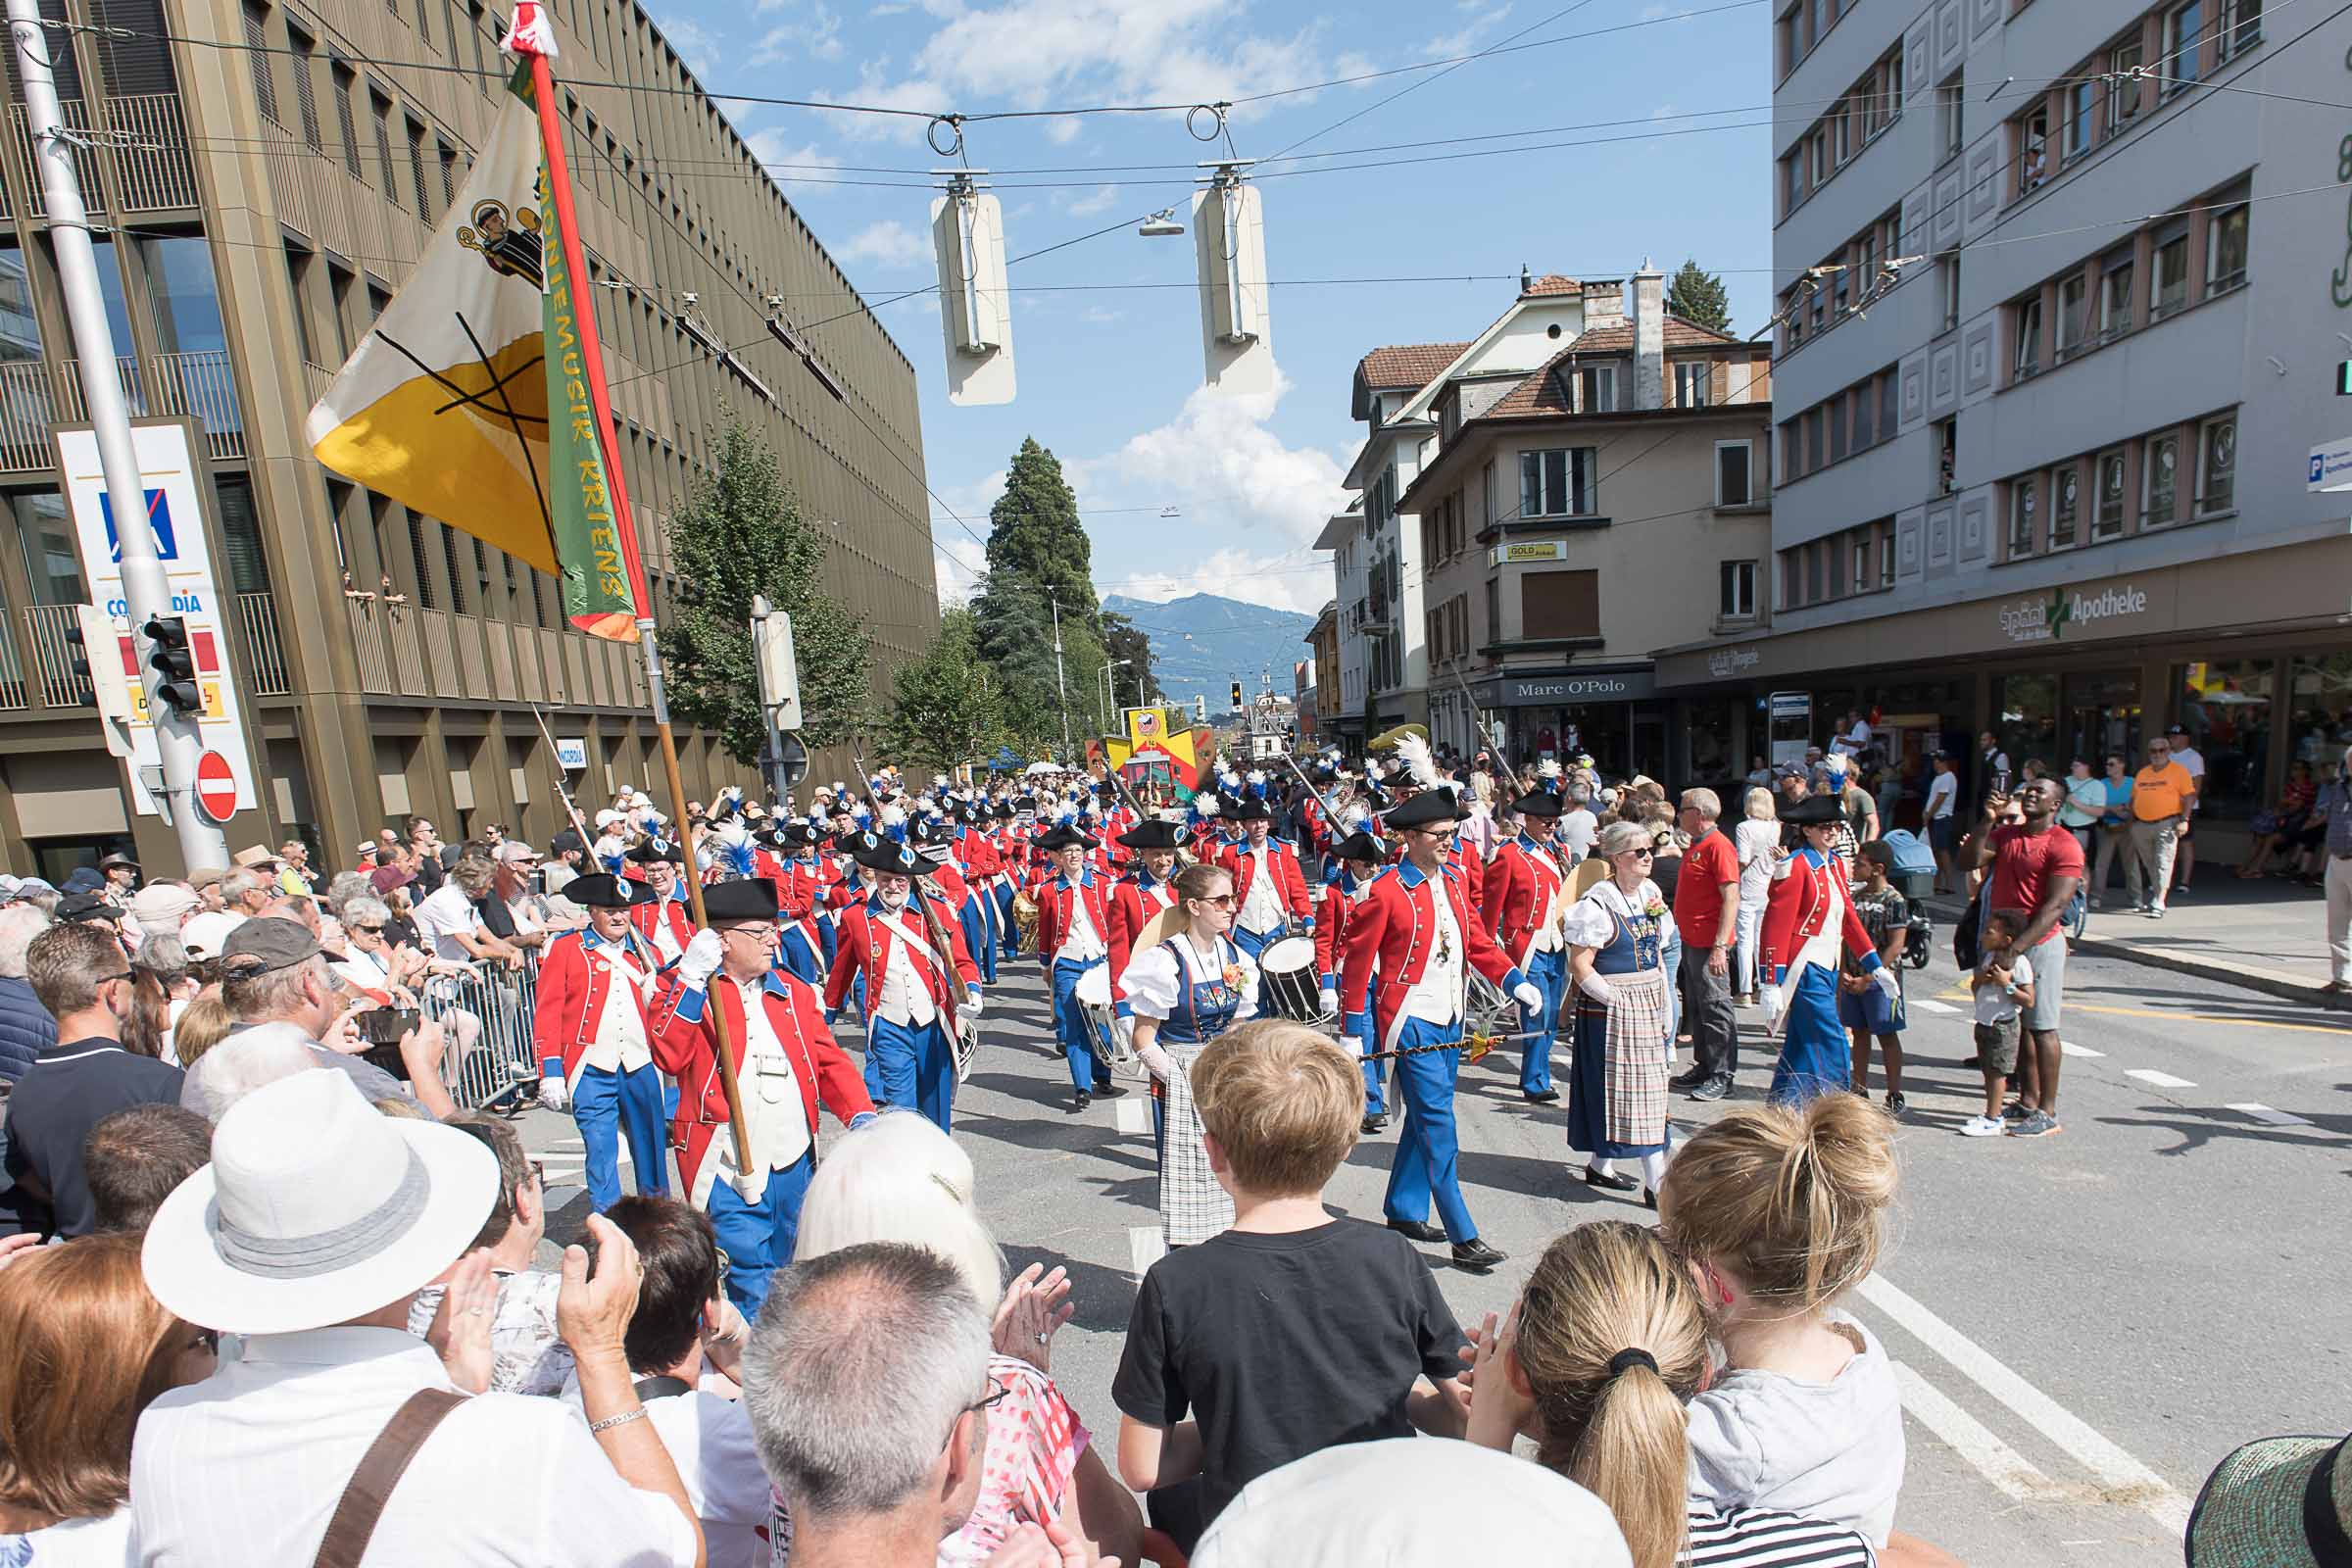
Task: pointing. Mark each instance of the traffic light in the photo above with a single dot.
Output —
(176, 662)
(78, 662)
(1237, 696)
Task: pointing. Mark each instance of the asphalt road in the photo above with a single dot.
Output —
(2083, 1324)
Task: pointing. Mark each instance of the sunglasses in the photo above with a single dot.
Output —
(1643, 853)
(1223, 900)
(371, 930)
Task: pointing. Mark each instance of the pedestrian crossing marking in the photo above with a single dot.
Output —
(2161, 1080)
(2264, 1114)
(1144, 1248)
(2073, 1050)
(2009, 1471)
(1932, 1005)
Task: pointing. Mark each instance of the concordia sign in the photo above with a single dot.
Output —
(2041, 621)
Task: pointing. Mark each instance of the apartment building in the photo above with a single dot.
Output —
(1575, 519)
(2046, 268)
(263, 188)
(1346, 673)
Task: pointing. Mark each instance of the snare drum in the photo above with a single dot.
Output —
(1094, 1005)
(1289, 986)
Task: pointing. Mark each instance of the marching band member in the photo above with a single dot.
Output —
(1073, 926)
(1139, 896)
(1408, 943)
(1270, 888)
(1185, 992)
(932, 839)
(912, 990)
(1359, 856)
(665, 919)
(594, 1045)
(1012, 871)
(1527, 907)
(1811, 909)
(787, 1065)
(984, 868)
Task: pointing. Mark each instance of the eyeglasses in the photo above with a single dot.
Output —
(1223, 900)
(1643, 853)
(988, 1401)
(371, 930)
(205, 1340)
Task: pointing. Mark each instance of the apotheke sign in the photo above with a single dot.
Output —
(2042, 620)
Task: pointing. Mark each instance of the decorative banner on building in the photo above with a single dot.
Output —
(445, 406)
(169, 473)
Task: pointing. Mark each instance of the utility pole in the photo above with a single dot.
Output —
(1060, 687)
(146, 591)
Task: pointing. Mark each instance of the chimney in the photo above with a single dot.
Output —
(1603, 305)
(1527, 281)
(1649, 338)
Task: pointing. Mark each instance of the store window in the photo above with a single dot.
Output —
(2025, 720)
(2228, 708)
(2319, 695)
(2102, 715)
(1710, 731)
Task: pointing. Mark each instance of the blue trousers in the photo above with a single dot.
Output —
(1426, 1149)
(991, 932)
(975, 931)
(1087, 1075)
(1376, 1074)
(609, 1105)
(1253, 943)
(1816, 1057)
(915, 1068)
(830, 935)
(1548, 972)
(797, 959)
(1008, 931)
(757, 1239)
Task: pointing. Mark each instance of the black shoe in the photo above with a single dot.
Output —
(1714, 1087)
(1688, 1081)
(1542, 1096)
(1972, 1061)
(1609, 1180)
(1649, 1198)
(1377, 1122)
(1418, 1230)
(1108, 1091)
(1080, 1100)
(1476, 1255)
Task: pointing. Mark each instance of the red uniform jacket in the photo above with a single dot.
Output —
(1467, 860)
(801, 887)
(574, 978)
(1131, 905)
(1799, 904)
(981, 861)
(679, 915)
(865, 943)
(1390, 938)
(1281, 864)
(1331, 931)
(1053, 910)
(1519, 889)
(686, 1047)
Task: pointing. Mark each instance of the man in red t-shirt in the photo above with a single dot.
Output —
(1706, 907)
(2036, 868)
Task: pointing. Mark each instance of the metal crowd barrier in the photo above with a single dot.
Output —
(487, 1008)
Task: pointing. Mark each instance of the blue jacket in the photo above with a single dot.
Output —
(26, 1028)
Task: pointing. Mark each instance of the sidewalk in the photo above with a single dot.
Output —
(2266, 935)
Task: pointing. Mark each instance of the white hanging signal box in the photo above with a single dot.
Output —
(1228, 239)
(975, 311)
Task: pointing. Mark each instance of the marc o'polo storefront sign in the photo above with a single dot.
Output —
(1566, 691)
(2048, 617)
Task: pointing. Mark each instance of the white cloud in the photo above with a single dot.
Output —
(816, 35)
(889, 244)
(958, 563)
(1282, 582)
(1098, 200)
(1064, 131)
(693, 42)
(1097, 315)
(802, 168)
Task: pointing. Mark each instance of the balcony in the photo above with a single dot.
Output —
(60, 685)
(144, 163)
(200, 385)
(431, 654)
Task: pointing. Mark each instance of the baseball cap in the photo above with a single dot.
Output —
(267, 943)
(205, 934)
(163, 905)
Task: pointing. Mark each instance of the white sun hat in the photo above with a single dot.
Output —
(316, 1209)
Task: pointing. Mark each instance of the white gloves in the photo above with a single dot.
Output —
(1887, 983)
(700, 960)
(1528, 995)
(554, 1095)
(971, 1002)
(1597, 988)
(1774, 1006)
(1122, 1029)
(1328, 1000)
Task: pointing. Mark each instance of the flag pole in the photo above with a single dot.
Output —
(592, 359)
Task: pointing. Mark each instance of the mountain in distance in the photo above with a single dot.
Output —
(1228, 641)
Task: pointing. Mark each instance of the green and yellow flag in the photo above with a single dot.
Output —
(446, 405)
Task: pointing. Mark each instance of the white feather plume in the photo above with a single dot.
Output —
(1206, 804)
(939, 781)
(892, 814)
(1256, 776)
(1354, 817)
(1549, 768)
(1413, 752)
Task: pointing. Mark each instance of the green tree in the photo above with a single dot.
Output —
(1035, 534)
(1014, 622)
(1697, 295)
(946, 708)
(1124, 639)
(741, 533)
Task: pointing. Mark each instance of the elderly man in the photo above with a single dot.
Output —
(868, 1389)
(357, 1433)
(25, 1027)
(449, 922)
(273, 971)
(121, 874)
(247, 890)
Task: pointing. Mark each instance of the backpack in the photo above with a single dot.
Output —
(1963, 934)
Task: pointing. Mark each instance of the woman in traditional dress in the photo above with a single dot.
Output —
(1624, 1049)
(1186, 992)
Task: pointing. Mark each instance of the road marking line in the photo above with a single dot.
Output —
(1131, 1114)
(2206, 1017)
(2162, 1080)
(2010, 1472)
(2068, 1048)
(1144, 1248)
(2134, 1484)
(2264, 1114)
(1932, 1005)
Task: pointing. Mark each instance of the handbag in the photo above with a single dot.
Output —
(370, 1486)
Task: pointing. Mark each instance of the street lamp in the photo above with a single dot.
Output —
(1110, 687)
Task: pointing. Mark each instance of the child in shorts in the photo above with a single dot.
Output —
(2003, 984)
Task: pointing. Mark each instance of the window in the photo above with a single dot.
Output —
(2081, 124)
(2073, 301)
(1861, 560)
(417, 180)
(1557, 483)
(1951, 118)
(2024, 499)
(2225, 266)
(2217, 465)
(1865, 405)
(2172, 273)
(1948, 291)
(298, 263)
(2066, 507)
(425, 598)
(52, 558)
(2160, 489)
(449, 173)
(1834, 413)
(379, 108)
(2241, 27)
(1485, 496)
(2109, 524)
(1885, 533)
(2182, 31)
(1886, 411)
(1815, 588)
(1738, 581)
(2028, 338)
(1733, 472)
(181, 294)
(2123, 93)
(2115, 297)
(301, 59)
(257, 57)
(1693, 380)
(1494, 609)
(344, 83)
(1597, 388)
(2032, 150)
(1559, 605)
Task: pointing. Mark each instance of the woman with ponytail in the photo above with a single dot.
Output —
(1778, 1211)
(1595, 1364)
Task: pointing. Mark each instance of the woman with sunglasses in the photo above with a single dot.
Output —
(1186, 992)
(1624, 1046)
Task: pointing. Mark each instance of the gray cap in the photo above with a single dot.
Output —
(260, 946)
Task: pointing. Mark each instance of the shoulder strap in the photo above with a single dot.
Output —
(660, 1388)
(387, 1458)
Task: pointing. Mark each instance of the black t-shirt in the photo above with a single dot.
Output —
(71, 1088)
(1283, 1346)
(429, 874)
(497, 918)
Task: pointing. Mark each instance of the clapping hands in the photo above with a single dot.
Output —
(1035, 1307)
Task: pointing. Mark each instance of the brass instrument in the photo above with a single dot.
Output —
(1024, 918)
(1388, 738)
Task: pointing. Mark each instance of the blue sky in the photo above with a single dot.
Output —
(1675, 163)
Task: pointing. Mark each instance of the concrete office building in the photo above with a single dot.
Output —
(2060, 323)
(278, 173)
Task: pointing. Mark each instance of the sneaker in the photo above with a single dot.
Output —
(1688, 1081)
(2155, 912)
(1897, 1104)
(2015, 1111)
(2038, 1125)
(1981, 1127)
(1714, 1087)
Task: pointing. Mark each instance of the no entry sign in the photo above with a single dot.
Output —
(215, 787)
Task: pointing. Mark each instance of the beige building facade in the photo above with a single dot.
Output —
(272, 178)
